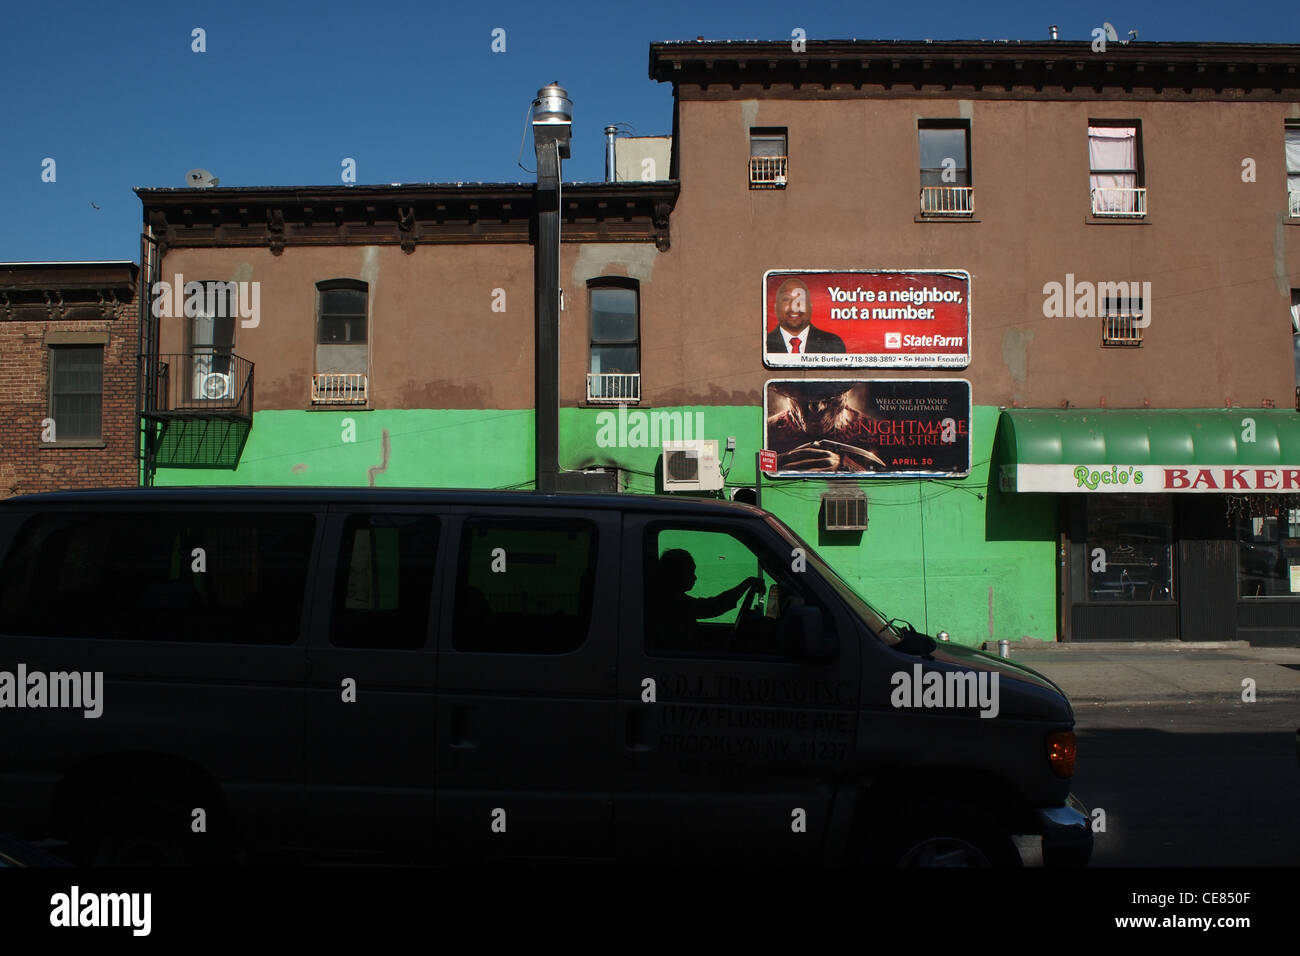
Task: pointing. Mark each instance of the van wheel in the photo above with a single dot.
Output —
(941, 834)
(144, 830)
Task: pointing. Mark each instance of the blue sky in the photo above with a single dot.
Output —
(114, 94)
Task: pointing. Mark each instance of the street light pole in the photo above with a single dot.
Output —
(552, 125)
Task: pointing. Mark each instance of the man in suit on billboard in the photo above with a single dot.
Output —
(794, 332)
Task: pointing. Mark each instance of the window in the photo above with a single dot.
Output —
(384, 581)
(1293, 169)
(1122, 319)
(77, 392)
(945, 168)
(342, 349)
(1268, 549)
(222, 578)
(211, 343)
(712, 594)
(1115, 176)
(615, 373)
(768, 159)
(1129, 550)
(524, 586)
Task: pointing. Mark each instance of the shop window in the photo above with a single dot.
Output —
(1129, 554)
(1268, 551)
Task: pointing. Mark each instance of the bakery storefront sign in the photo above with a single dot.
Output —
(1151, 479)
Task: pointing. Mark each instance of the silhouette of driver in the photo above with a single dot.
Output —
(673, 611)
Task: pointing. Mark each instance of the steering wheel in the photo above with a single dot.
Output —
(752, 591)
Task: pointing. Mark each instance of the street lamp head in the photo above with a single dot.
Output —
(552, 105)
(553, 118)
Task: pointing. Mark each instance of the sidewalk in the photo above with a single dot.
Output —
(1132, 674)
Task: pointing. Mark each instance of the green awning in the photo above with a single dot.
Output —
(1243, 450)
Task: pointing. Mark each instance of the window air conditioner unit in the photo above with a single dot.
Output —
(214, 385)
(844, 512)
(691, 466)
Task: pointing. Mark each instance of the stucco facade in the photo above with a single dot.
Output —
(449, 281)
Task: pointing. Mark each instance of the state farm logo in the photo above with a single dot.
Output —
(893, 340)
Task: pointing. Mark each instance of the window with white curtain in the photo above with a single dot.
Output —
(1293, 167)
(1115, 175)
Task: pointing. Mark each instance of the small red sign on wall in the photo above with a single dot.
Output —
(767, 461)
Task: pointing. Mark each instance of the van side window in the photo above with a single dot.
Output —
(524, 586)
(384, 581)
(714, 594)
(225, 578)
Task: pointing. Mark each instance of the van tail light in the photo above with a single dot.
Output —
(1060, 753)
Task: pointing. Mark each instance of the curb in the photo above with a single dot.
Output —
(1084, 646)
(1155, 700)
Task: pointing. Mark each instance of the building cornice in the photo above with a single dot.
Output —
(53, 291)
(1053, 69)
(407, 215)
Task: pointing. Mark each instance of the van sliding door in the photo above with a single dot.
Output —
(526, 728)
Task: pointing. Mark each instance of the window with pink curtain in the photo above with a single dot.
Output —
(1113, 168)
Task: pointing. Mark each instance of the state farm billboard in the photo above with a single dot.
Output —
(910, 318)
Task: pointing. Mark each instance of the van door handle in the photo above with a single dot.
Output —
(638, 729)
(460, 728)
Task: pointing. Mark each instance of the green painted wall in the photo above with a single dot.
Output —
(957, 555)
(426, 448)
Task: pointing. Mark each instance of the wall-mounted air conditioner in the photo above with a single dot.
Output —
(212, 385)
(844, 511)
(691, 465)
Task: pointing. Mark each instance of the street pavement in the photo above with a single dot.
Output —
(1186, 771)
(1099, 675)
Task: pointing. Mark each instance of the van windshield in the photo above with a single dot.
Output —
(878, 623)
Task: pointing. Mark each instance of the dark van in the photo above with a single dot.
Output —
(199, 675)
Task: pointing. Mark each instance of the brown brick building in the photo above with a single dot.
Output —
(68, 346)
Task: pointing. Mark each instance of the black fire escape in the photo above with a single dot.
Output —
(196, 407)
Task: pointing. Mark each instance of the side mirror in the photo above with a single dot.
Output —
(804, 637)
